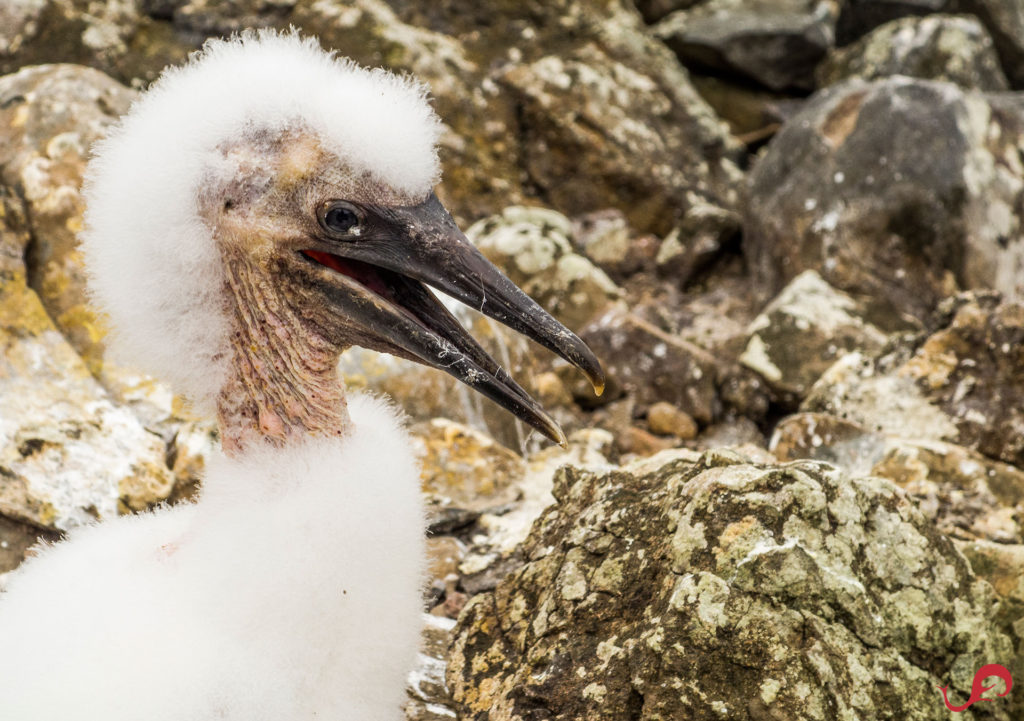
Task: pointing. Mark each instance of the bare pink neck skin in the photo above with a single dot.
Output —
(283, 385)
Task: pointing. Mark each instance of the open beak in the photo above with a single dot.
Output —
(377, 281)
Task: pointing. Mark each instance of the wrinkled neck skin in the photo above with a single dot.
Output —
(283, 385)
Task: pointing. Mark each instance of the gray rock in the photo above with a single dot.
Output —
(955, 49)
(898, 190)
(803, 331)
(655, 10)
(775, 43)
(963, 383)
(1005, 21)
(704, 233)
(580, 120)
(532, 246)
(725, 589)
(650, 365)
(967, 495)
(859, 17)
(50, 117)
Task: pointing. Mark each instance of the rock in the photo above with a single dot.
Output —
(655, 10)
(859, 17)
(886, 206)
(1002, 566)
(724, 589)
(51, 117)
(532, 246)
(954, 49)
(113, 37)
(667, 420)
(753, 113)
(444, 554)
(428, 697)
(704, 233)
(803, 331)
(1005, 21)
(463, 468)
(606, 239)
(580, 121)
(966, 494)
(16, 540)
(497, 535)
(68, 454)
(775, 43)
(962, 383)
(737, 432)
(651, 365)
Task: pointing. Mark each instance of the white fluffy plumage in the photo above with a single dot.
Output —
(153, 265)
(291, 589)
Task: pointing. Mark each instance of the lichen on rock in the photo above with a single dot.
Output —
(721, 588)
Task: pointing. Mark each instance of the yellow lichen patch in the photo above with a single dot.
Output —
(146, 487)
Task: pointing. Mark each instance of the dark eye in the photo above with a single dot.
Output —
(339, 218)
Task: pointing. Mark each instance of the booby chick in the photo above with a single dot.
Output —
(256, 212)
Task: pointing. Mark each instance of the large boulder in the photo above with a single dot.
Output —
(900, 190)
(803, 331)
(775, 43)
(962, 383)
(953, 48)
(718, 588)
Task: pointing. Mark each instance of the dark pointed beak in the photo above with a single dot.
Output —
(378, 276)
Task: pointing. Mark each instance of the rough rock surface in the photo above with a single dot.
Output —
(968, 495)
(962, 383)
(1005, 21)
(580, 121)
(803, 331)
(722, 589)
(955, 49)
(859, 17)
(776, 43)
(900, 190)
(68, 454)
(532, 246)
(52, 115)
(651, 365)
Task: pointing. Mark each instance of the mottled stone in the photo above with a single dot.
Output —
(961, 383)
(665, 419)
(702, 235)
(68, 455)
(581, 121)
(463, 468)
(1005, 21)
(650, 365)
(532, 247)
(724, 589)
(428, 698)
(606, 238)
(803, 331)
(954, 49)
(16, 541)
(859, 17)
(967, 495)
(775, 43)
(51, 117)
(899, 190)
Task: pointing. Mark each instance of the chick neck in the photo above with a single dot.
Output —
(283, 385)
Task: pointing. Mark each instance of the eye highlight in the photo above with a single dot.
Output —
(339, 218)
